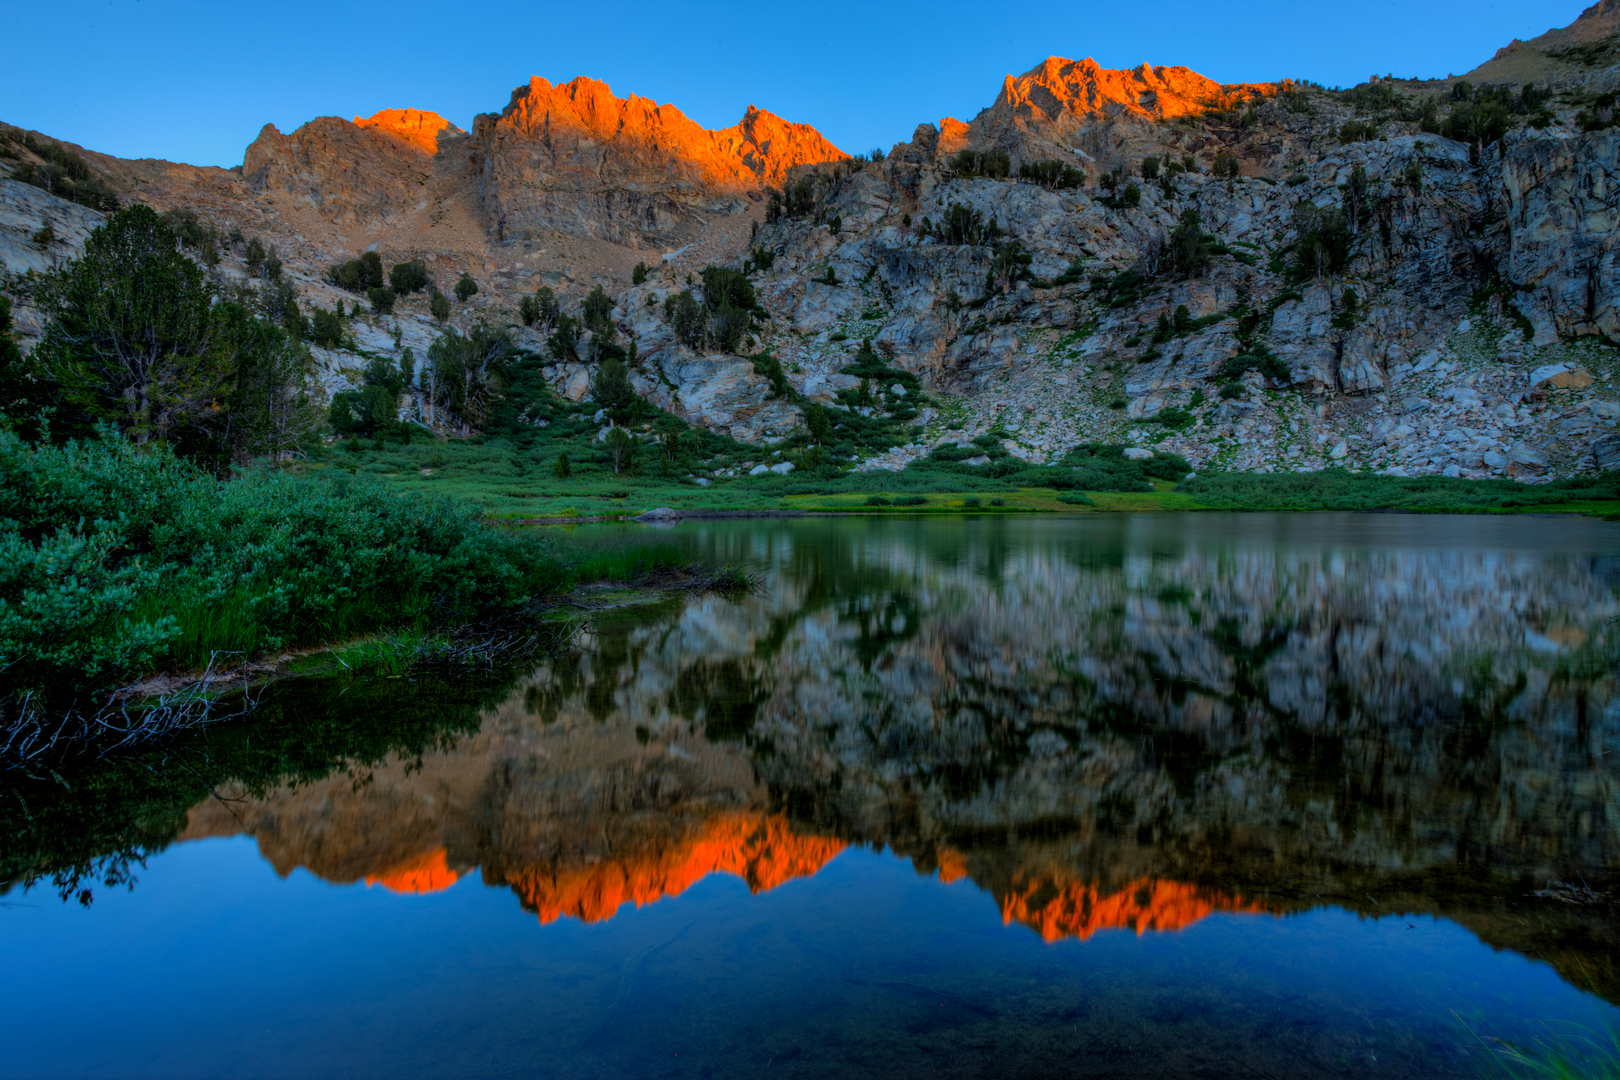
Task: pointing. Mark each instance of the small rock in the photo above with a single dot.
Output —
(782, 468)
(898, 390)
(702, 481)
(1573, 379)
(1606, 410)
(759, 470)
(1451, 470)
(662, 513)
(1544, 374)
(977, 459)
(1606, 452)
(1339, 450)
(1138, 453)
(1494, 460)
(1525, 454)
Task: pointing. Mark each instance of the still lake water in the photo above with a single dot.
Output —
(1194, 795)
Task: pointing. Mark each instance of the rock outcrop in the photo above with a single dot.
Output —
(1459, 270)
(574, 158)
(350, 172)
(1581, 54)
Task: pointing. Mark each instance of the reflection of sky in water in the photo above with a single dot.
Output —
(1114, 796)
(214, 966)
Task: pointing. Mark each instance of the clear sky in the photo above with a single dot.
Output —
(193, 81)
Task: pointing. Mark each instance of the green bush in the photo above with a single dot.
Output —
(1174, 417)
(65, 174)
(963, 225)
(1190, 248)
(990, 164)
(408, 277)
(439, 306)
(722, 318)
(116, 560)
(876, 500)
(638, 276)
(1337, 489)
(911, 500)
(796, 199)
(1357, 131)
(1052, 175)
(1324, 241)
(466, 287)
(382, 300)
(358, 275)
(1258, 358)
(326, 329)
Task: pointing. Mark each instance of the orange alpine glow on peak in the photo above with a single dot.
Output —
(1080, 910)
(760, 849)
(427, 874)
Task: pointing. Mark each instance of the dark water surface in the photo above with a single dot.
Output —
(1187, 795)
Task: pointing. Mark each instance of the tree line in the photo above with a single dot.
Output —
(141, 340)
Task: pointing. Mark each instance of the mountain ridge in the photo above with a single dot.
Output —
(1448, 215)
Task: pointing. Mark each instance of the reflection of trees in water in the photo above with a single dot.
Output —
(1097, 732)
(721, 696)
(1276, 723)
(95, 823)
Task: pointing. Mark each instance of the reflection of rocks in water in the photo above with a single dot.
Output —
(761, 849)
(577, 819)
(426, 873)
(1423, 727)
(1099, 734)
(1061, 908)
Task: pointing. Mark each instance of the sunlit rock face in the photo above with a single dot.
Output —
(415, 126)
(367, 171)
(1058, 100)
(577, 159)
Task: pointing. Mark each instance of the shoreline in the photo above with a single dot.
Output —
(652, 518)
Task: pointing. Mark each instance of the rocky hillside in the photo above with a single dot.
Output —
(1408, 276)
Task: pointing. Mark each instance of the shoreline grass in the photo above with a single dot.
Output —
(118, 561)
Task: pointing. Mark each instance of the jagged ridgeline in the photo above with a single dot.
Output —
(586, 296)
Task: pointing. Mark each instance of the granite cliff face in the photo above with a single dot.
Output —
(1076, 108)
(349, 172)
(574, 158)
(1466, 327)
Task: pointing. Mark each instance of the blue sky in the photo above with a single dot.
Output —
(193, 81)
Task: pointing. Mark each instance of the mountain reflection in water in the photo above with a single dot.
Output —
(1117, 723)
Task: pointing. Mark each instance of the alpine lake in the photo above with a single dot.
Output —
(1020, 796)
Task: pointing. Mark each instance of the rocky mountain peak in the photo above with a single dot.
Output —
(635, 133)
(415, 126)
(1058, 91)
